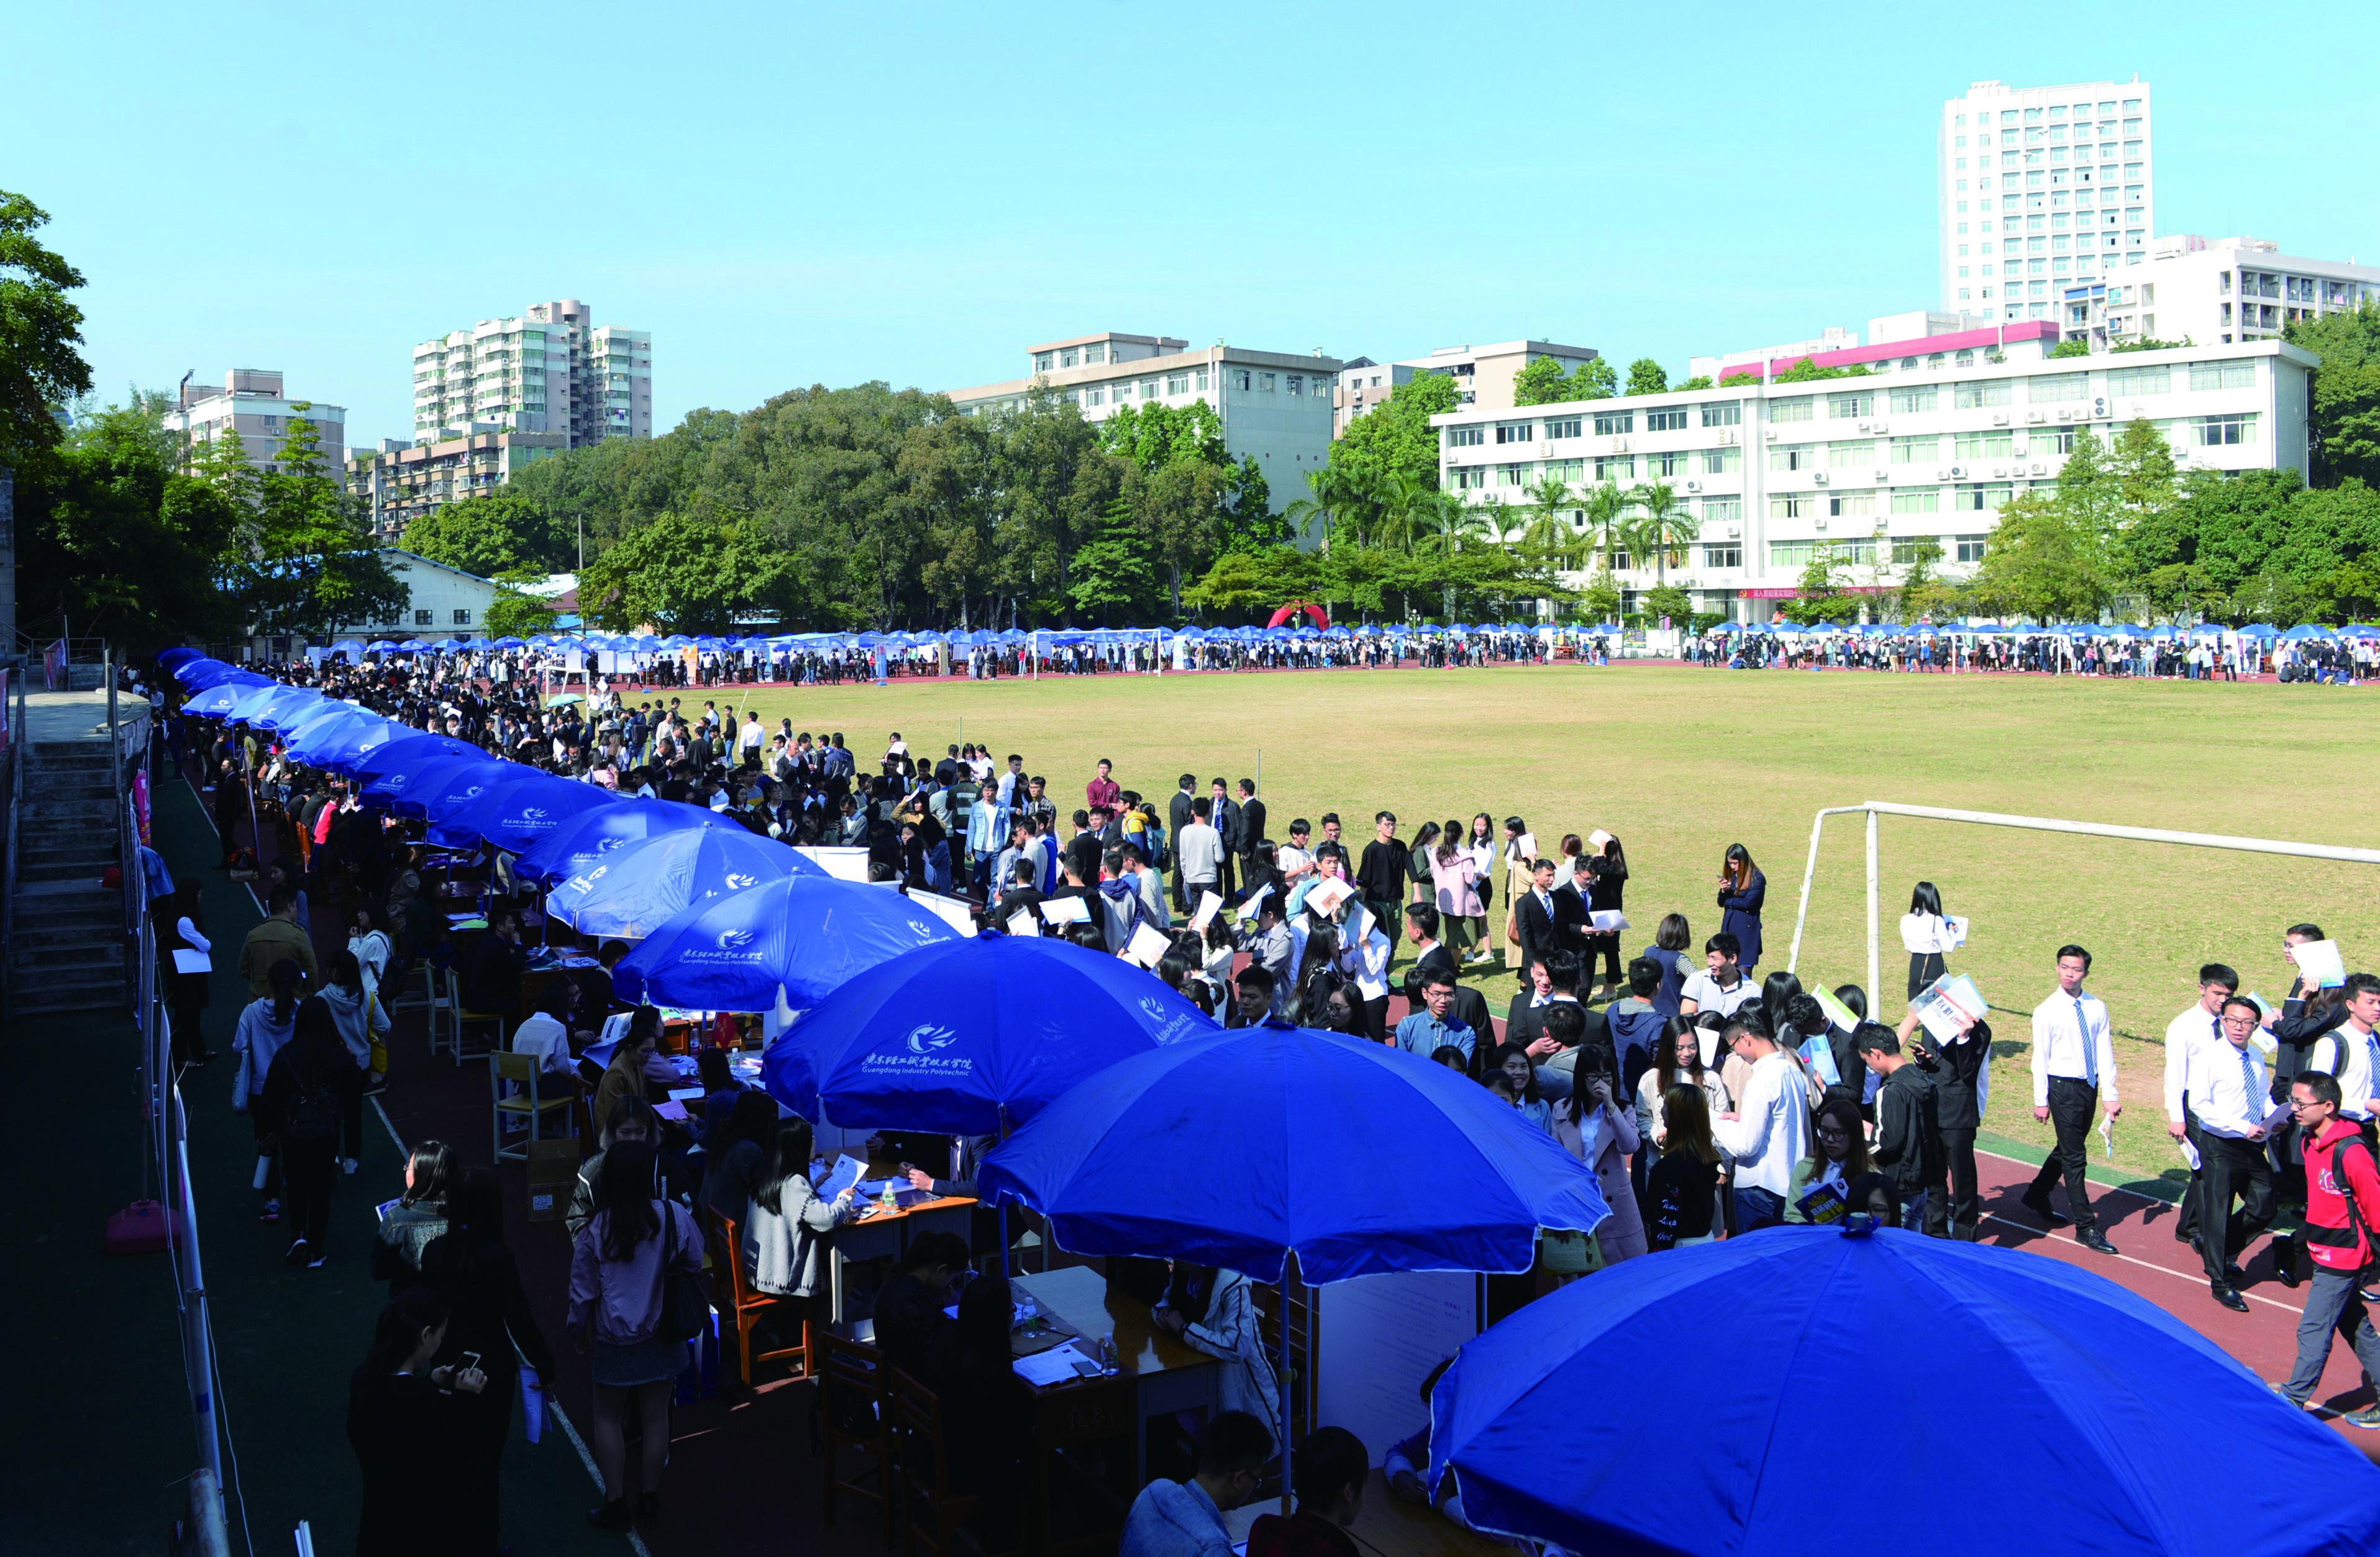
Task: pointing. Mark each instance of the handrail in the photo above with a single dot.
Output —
(19, 748)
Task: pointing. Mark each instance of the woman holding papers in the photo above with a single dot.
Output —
(786, 1222)
(1454, 875)
(1930, 935)
(185, 945)
(1215, 1310)
(1609, 881)
(1479, 846)
(1742, 892)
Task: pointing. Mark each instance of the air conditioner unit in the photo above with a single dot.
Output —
(2001, 420)
(2036, 416)
(1545, 451)
(1735, 532)
(1693, 486)
(1943, 473)
(1865, 428)
(1999, 470)
(2098, 407)
(2039, 468)
(1818, 476)
(1819, 522)
(2065, 416)
(1772, 435)
(1957, 473)
(1727, 437)
(1884, 426)
(1882, 474)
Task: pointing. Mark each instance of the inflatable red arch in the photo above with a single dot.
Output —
(1291, 609)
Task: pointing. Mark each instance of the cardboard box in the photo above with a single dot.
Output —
(553, 1173)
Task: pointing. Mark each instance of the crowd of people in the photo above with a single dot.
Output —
(1710, 1099)
(2197, 657)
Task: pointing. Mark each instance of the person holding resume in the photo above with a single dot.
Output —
(1930, 935)
(1742, 891)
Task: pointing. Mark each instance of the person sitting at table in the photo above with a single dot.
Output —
(786, 1220)
(733, 1160)
(1215, 1310)
(1407, 1462)
(1333, 1468)
(720, 1090)
(1186, 1518)
(909, 1317)
(626, 1075)
(987, 1409)
(546, 1033)
(492, 986)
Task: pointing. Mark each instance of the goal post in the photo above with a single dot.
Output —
(1873, 809)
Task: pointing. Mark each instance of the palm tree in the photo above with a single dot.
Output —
(1335, 498)
(1405, 502)
(1662, 526)
(1548, 533)
(1606, 525)
(1446, 524)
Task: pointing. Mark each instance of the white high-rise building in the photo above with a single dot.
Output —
(549, 370)
(2042, 187)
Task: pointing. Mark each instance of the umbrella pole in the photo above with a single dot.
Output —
(1287, 1262)
(1004, 1201)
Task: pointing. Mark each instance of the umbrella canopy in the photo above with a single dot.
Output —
(809, 933)
(515, 814)
(273, 702)
(1133, 1161)
(220, 699)
(201, 672)
(580, 840)
(2092, 1400)
(409, 748)
(972, 1035)
(447, 782)
(326, 745)
(637, 890)
(180, 653)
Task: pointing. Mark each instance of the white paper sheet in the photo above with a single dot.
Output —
(1061, 1363)
(1837, 1014)
(847, 1171)
(1255, 900)
(1148, 946)
(1209, 904)
(1021, 922)
(1937, 1001)
(2321, 963)
(1608, 920)
(1066, 911)
(188, 960)
(1324, 896)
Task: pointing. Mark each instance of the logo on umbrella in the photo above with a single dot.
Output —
(737, 880)
(532, 813)
(924, 931)
(735, 940)
(927, 1038)
(605, 845)
(473, 792)
(1153, 1007)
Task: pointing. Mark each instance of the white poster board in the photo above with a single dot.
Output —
(1380, 1336)
(843, 863)
(956, 912)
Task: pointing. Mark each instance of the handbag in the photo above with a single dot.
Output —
(686, 1306)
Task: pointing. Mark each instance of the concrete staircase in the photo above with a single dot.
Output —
(66, 950)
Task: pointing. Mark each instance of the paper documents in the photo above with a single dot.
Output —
(1148, 946)
(1059, 1365)
(2320, 963)
(847, 1169)
(1837, 1014)
(188, 960)
(1940, 1003)
(1325, 896)
(1021, 922)
(1596, 841)
(1820, 1057)
(1255, 900)
(1209, 904)
(1608, 920)
(1066, 911)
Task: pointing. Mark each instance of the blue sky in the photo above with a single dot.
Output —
(789, 195)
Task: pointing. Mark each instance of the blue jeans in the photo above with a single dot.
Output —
(1756, 1208)
(1912, 1213)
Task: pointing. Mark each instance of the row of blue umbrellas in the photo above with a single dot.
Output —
(1059, 637)
(2303, 631)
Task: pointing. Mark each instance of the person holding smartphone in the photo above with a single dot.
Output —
(406, 1421)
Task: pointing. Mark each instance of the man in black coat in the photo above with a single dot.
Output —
(1534, 916)
(1252, 831)
(1225, 815)
(1177, 816)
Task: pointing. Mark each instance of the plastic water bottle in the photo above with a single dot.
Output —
(888, 1201)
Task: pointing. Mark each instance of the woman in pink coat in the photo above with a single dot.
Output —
(1601, 1133)
(1455, 876)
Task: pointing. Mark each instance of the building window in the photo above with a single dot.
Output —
(1509, 475)
(1148, 388)
(1967, 548)
(1609, 423)
(1563, 426)
(1296, 384)
(1566, 471)
(1985, 445)
(1466, 436)
(2216, 432)
(1723, 412)
(1907, 401)
(1799, 410)
(1093, 355)
(1198, 381)
(1069, 357)
(1989, 392)
(423, 618)
(1512, 432)
(2222, 375)
(1850, 453)
(2049, 389)
(1729, 555)
(1792, 553)
(1094, 395)
(1671, 420)
(1471, 476)
(1851, 506)
(1616, 467)
(1793, 456)
(1843, 407)
(1177, 383)
(1674, 462)
(1723, 511)
(1719, 462)
(1265, 382)
(1925, 501)
(462, 617)
(1041, 362)
(1916, 451)
(2141, 381)
(1981, 497)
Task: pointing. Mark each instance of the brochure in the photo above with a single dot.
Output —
(1209, 904)
(1940, 1003)
(1837, 1014)
(2319, 963)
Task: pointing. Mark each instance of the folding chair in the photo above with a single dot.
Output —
(855, 1414)
(528, 1103)
(746, 1308)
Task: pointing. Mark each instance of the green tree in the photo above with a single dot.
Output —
(1809, 370)
(1330, 493)
(1666, 600)
(1540, 382)
(489, 534)
(1699, 382)
(41, 367)
(683, 575)
(1250, 583)
(1606, 507)
(1822, 591)
(2150, 343)
(1662, 526)
(305, 562)
(1600, 599)
(1112, 573)
(2076, 348)
(1647, 377)
(2346, 394)
(1548, 533)
(2045, 558)
(513, 614)
(1394, 437)
(1593, 380)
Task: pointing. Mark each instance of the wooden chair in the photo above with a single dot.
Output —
(931, 1512)
(746, 1308)
(528, 1101)
(466, 1021)
(852, 1379)
(417, 995)
(446, 1031)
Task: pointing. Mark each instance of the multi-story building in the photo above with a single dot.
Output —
(1912, 460)
(1890, 330)
(252, 404)
(2040, 187)
(1274, 406)
(549, 370)
(440, 602)
(2218, 290)
(1483, 374)
(403, 481)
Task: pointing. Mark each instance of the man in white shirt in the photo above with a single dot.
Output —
(2351, 1053)
(2074, 1072)
(1294, 858)
(1768, 1132)
(2197, 1026)
(1721, 986)
(2232, 1098)
(1200, 851)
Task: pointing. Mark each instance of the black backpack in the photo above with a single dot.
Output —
(313, 1114)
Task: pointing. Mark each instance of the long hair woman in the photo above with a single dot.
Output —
(182, 927)
(1599, 1128)
(472, 1268)
(1677, 1062)
(309, 1090)
(618, 1268)
(1742, 892)
(786, 1222)
(1684, 1192)
(1926, 930)
(267, 1023)
(406, 1429)
(417, 1217)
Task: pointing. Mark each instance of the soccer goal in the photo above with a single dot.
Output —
(1875, 809)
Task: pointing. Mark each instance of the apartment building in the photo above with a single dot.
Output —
(2219, 290)
(1914, 459)
(1483, 374)
(402, 481)
(1275, 407)
(2040, 187)
(551, 369)
(253, 402)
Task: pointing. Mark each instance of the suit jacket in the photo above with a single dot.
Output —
(1226, 820)
(1525, 1021)
(1470, 1008)
(1571, 919)
(1540, 934)
(1177, 813)
(1252, 824)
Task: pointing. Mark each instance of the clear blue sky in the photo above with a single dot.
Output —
(790, 195)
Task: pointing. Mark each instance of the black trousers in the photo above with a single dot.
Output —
(2229, 1169)
(2072, 1103)
(1925, 967)
(310, 1171)
(2187, 1225)
(1372, 1017)
(1955, 1214)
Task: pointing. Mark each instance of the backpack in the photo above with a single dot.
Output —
(2354, 1216)
(313, 1114)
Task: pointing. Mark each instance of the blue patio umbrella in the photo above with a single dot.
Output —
(180, 653)
(972, 1037)
(407, 749)
(581, 840)
(2306, 630)
(515, 814)
(448, 781)
(202, 671)
(510, 643)
(332, 745)
(635, 890)
(805, 933)
(271, 709)
(1128, 1162)
(2094, 1402)
(220, 699)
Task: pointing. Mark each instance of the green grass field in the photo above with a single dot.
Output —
(1680, 762)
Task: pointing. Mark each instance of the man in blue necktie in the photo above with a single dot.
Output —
(2074, 1072)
